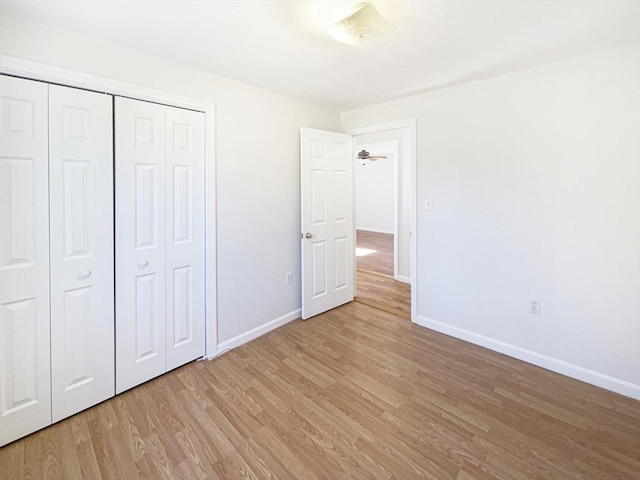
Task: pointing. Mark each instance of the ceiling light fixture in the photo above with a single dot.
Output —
(361, 26)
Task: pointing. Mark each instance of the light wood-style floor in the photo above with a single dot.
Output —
(381, 258)
(353, 393)
(376, 286)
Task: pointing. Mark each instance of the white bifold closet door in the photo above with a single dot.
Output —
(160, 321)
(25, 388)
(56, 254)
(184, 236)
(81, 216)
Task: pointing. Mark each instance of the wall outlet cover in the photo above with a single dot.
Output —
(534, 306)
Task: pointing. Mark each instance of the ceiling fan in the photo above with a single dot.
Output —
(364, 155)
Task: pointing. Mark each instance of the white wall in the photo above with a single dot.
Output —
(535, 181)
(375, 191)
(257, 155)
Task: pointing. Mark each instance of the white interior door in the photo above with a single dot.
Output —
(140, 242)
(185, 282)
(25, 389)
(81, 215)
(326, 172)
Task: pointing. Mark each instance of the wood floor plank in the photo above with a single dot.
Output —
(304, 442)
(379, 249)
(294, 463)
(87, 460)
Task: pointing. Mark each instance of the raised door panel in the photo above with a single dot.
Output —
(140, 242)
(81, 212)
(185, 275)
(25, 390)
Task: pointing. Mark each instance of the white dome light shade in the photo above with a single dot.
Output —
(361, 26)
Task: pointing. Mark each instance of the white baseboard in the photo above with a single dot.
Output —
(254, 333)
(559, 366)
(402, 278)
(375, 230)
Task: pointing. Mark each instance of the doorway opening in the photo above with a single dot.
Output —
(383, 180)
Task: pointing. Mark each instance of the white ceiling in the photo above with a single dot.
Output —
(268, 42)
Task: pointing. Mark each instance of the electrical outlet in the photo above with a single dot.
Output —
(428, 204)
(534, 306)
(288, 278)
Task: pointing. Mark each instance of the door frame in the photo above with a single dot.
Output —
(411, 125)
(18, 67)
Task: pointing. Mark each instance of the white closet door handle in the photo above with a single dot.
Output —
(85, 274)
(143, 264)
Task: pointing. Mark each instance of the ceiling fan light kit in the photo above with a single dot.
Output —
(363, 156)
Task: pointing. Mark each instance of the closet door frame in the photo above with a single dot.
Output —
(52, 74)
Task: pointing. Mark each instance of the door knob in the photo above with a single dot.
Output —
(85, 274)
(143, 264)
(308, 235)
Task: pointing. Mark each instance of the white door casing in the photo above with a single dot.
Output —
(81, 249)
(327, 206)
(25, 389)
(185, 235)
(140, 241)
